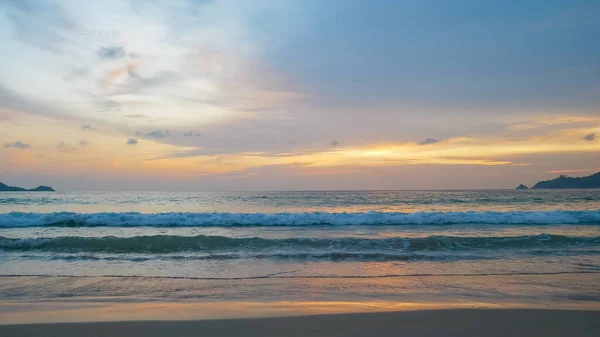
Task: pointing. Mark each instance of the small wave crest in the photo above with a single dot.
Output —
(284, 256)
(220, 244)
(178, 219)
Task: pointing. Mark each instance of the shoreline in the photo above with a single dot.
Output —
(97, 310)
(440, 322)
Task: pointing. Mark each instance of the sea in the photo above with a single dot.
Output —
(537, 248)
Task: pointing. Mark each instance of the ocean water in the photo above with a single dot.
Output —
(525, 247)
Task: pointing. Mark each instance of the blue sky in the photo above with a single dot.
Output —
(208, 95)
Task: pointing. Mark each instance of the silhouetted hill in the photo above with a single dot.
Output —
(42, 188)
(563, 181)
(522, 187)
(6, 188)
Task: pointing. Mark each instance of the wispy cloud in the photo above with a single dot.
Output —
(43, 24)
(191, 133)
(132, 141)
(83, 142)
(114, 52)
(65, 148)
(129, 80)
(591, 137)
(11, 100)
(17, 145)
(104, 104)
(87, 127)
(566, 171)
(158, 134)
(136, 116)
(428, 141)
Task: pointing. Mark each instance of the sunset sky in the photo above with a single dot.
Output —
(285, 95)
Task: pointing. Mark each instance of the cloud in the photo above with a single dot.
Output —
(136, 116)
(158, 134)
(17, 145)
(84, 142)
(127, 79)
(40, 23)
(188, 134)
(13, 103)
(12, 100)
(590, 137)
(103, 104)
(335, 143)
(428, 141)
(87, 127)
(114, 52)
(567, 171)
(132, 141)
(63, 147)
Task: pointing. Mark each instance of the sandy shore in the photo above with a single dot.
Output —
(457, 322)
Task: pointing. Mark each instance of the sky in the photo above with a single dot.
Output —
(192, 95)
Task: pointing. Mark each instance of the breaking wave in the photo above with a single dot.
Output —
(176, 219)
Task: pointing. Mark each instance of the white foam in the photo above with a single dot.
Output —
(17, 219)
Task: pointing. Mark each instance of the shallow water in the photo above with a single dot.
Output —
(517, 246)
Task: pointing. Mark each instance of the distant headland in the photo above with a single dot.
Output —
(591, 181)
(6, 188)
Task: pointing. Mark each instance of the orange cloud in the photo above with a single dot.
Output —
(119, 72)
(567, 171)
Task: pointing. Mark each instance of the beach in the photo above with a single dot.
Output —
(465, 322)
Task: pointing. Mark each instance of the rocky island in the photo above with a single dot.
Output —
(522, 187)
(591, 181)
(6, 188)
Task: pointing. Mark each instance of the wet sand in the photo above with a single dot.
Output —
(454, 322)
